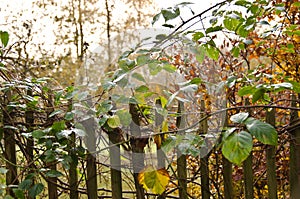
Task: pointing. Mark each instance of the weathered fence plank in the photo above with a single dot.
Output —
(204, 169)
(181, 158)
(137, 143)
(271, 159)
(294, 152)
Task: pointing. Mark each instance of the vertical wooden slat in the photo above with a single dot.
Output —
(158, 122)
(91, 167)
(52, 181)
(271, 159)
(115, 163)
(10, 149)
(181, 158)
(137, 145)
(294, 154)
(248, 172)
(203, 129)
(73, 177)
(227, 172)
(29, 118)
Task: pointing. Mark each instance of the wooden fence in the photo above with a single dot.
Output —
(213, 176)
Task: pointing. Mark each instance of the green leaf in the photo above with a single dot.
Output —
(239, 117)
(37, 134)
(169, 14)
(25, 184)
(114, 121)
(139, 77)
(53, 173)
(142, 89)
(125, 117)
(235, 51)
(19, 193)
(156, 18)
(296, 86)
(212, 52)
(55, 113)
(154, 68)
(4, 36)
(196, 80)
(169, 68)
(197, 36)
(168, 25)
(58, 126)
(104, 107)
(35, 190)
(246, 90)
(258, 94)
(69, 116)
(200, 54)
(264, 132)
(237, 147)
(231, 23)
(296, 4)
(142, 59)
(231, 80)
(213, 29)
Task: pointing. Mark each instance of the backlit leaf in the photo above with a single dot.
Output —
(258, 94)
(246, 90)
(4, 36)
(153, 179)
(114, 121)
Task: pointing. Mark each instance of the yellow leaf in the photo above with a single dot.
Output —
(155, 180)
(157, 140)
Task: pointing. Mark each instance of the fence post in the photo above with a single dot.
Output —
(10, 148)
(91, 167)
(73, 177)
(271, 158)
(137, 143)
(248, 171)
(158, 122)
(181, 158)
(29, 119)
(203, 129)
(115, 163)
(294, 131)
(52, 181)
(227, 171)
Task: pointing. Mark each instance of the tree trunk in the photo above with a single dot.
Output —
(271, 158)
